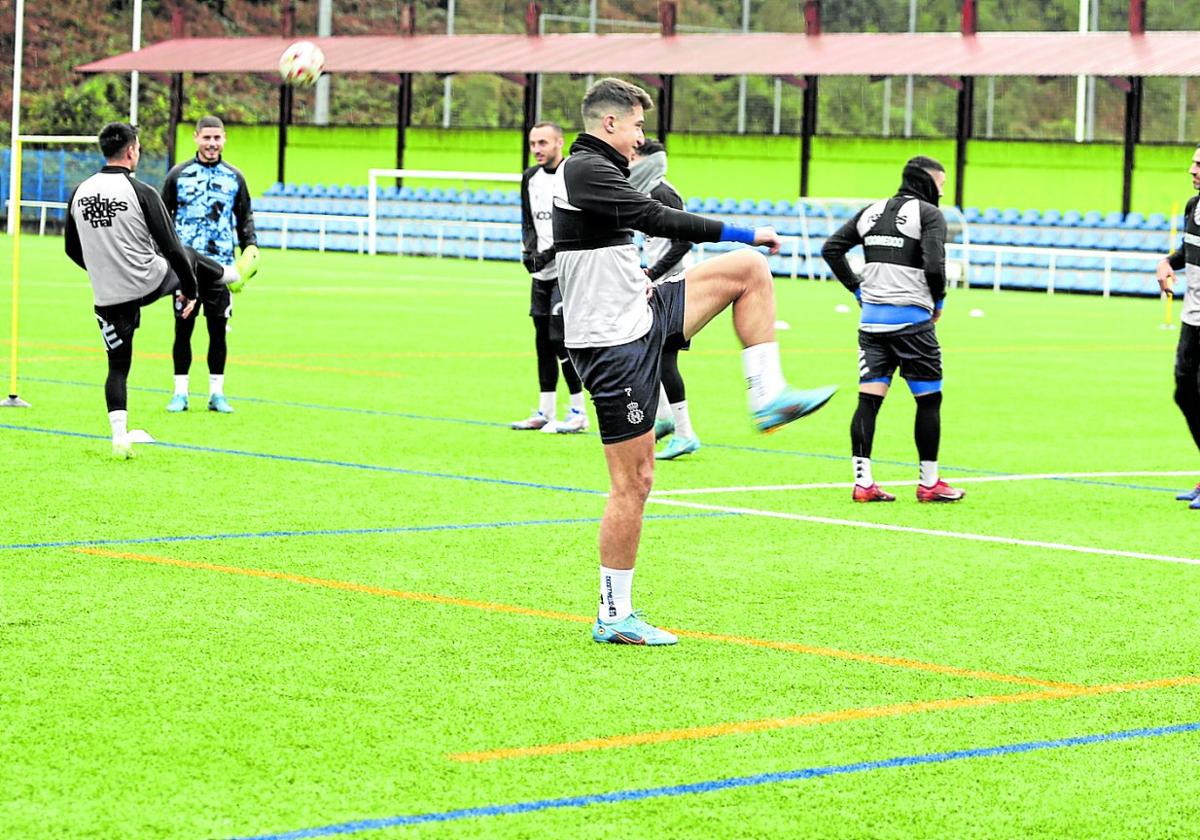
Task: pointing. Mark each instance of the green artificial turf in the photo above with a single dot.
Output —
(144, 699)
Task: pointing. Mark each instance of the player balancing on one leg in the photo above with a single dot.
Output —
(1187, 354)
(616, 328)
(210, 203)
(119, 232)
(664, 259)
(545, 300)
(901, 292)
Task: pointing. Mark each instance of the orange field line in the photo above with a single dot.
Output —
(814, 719)
(488, 606)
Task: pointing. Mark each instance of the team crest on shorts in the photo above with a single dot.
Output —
(635, 415)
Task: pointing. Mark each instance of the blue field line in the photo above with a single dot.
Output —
(712, 786)
(299, 459)
(823, 456)
(340, 532)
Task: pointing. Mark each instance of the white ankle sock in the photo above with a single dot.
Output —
(119, 421)
(683, 421)
(616, 594)
(230, 274)
(181, 385)
(764, 375)
(664, 405)
(546, 404)
(216, 384)
(862, 471)
(577, 402)
(929, 473)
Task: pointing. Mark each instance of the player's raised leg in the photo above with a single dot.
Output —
(742, 279)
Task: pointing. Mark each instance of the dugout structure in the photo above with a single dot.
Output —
(800, 59)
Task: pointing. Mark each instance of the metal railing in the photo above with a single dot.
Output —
(797, 252)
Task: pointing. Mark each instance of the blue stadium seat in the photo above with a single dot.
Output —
(1114, 219)
(420, 194)
(1071, 218)
(1051, 217)
(1131, 241)
(1048, 239)
(1068, 238)
(694, 205)
(1010, 216)
(991, 216)
(1091, 219)
(983, 235)
(728, 207)
(765, 208)
(1133, 221)
(711, 205)
(971, 214)
(1030, 217)
(1110, 241)
(1156, 221)
(288, 190)
(436, 194)
(275, 189)
(1091, 239)
(746, 207)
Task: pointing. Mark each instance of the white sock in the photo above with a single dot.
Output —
(181, 385)
(616, 598)
(118, 420)
(546, 404)
(664, 405)
(929, 473)
(862, 471)
(764, 375)
(230, 274)
(577, 402)
(683, 421)
(216, 384)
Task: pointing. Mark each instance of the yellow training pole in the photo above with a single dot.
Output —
(13, 400)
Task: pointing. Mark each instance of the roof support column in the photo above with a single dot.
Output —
(1133, 134)
(175, 104)
(285, 95)
(965, 129)
(404, 91)
(808, 128)
(668, 13)
(530, 117)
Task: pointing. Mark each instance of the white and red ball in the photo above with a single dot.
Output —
(301, 63)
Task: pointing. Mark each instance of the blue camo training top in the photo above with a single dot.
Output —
(210, 202)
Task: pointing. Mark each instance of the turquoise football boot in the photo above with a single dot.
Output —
(178, 403)
(662, 428)
(676, 447)
(631, 630)
(218, 403)
(791, 405)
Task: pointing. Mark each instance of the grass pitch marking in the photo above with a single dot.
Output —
(928, 532)
(973, 479)
(744, 727)
(488, 606)
(715, 785)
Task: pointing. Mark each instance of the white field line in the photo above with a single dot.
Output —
(846, 485)
(929, 532)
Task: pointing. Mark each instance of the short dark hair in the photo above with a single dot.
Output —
(613, 92)
(926, 163)
(209, 121)
(650, 146)
(115, 138)
(553, 126)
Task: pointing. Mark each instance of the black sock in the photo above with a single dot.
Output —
(574, 384)
(181, 350)
(862, 426)
(116, 384)
(218, 349)
(927, 430)
(547, 361)
(672, 380)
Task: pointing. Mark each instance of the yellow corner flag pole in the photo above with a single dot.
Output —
(1169, 295)
(13, 400)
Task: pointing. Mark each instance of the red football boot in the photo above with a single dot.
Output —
(874, 493)
(940, 492)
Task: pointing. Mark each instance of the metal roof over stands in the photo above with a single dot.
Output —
(758, 54)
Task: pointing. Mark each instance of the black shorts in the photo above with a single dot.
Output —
(216, 301)
(914, 350)
(545, 301)
(119, 321)
(1187, 353)
(624, 380)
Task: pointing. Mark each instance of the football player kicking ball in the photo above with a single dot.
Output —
(119, 232)
(616, 330)
(901, 292)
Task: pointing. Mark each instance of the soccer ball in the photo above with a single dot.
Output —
(301, 63)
